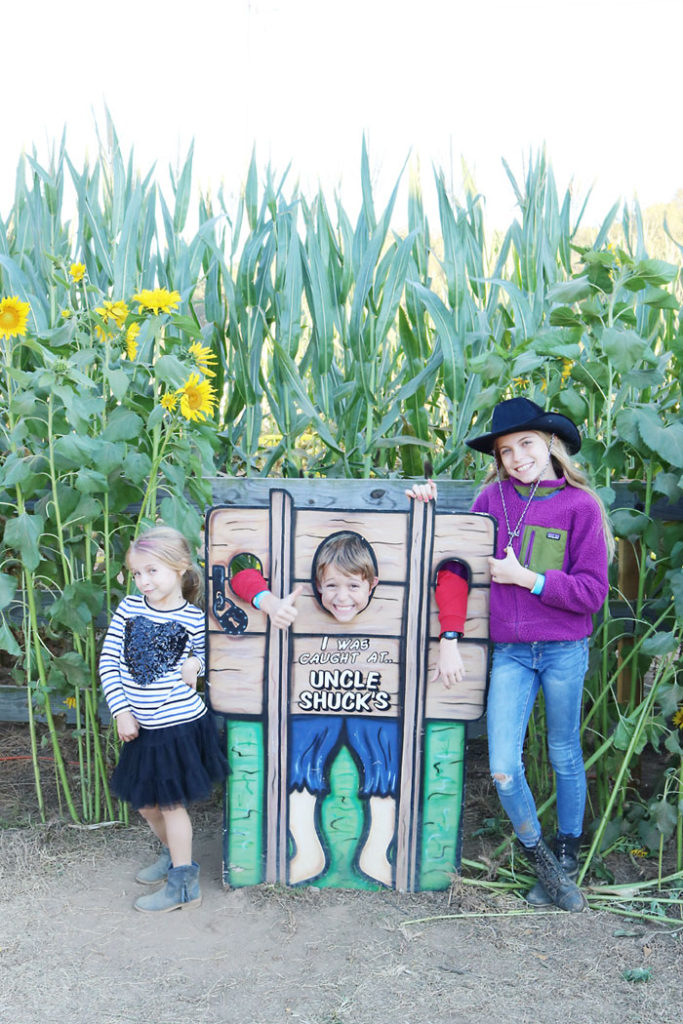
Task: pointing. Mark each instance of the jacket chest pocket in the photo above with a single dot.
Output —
(542, 548)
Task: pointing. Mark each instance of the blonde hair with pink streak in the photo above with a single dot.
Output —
(172, 548)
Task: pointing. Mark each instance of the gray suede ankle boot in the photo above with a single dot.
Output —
(181, 892)
(566, 849)
(157, 871)
(561, 890)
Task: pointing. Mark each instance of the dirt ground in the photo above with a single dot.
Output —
(73, 949)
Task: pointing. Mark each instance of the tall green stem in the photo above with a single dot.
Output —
(625, 764)
(29, 704)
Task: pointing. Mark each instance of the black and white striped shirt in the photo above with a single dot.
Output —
(141, 659)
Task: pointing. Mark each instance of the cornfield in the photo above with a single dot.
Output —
(282, 337)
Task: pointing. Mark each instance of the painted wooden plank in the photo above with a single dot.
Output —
(464, 701)
(456, 495)
(236, 673)
(408, 816)
(231, 533)
(325, 493)
(353, 675)
(280, 535)
(386, 619)
(386, 534)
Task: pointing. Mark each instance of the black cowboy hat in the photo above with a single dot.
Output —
(517, 414)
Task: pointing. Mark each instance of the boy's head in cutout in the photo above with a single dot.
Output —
(345, 573)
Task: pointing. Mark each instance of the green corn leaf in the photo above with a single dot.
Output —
(99, 240)
(450, 342)
(288, 367)
(401, 439)
(366, 188)
(147, 236)
(251, 192)
(125, 256)
(182, 192)
(393, 288)
(320, 302)
(171, 237)
(289, 304)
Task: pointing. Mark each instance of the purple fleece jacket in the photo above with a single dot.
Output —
(572, 594)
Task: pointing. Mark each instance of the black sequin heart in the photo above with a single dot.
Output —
(152, 648)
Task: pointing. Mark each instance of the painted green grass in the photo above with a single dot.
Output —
(444, 760)
(244, 809)
(343, 826)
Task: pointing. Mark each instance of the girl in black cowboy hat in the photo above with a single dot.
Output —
(548, 578)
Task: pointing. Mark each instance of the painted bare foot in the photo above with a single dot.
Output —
(373, 860)
(309, 857)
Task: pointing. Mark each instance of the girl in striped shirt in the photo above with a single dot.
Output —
(151, 658)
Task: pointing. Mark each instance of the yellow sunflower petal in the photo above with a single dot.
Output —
(197, 398)
(157, 300)
(13, 316)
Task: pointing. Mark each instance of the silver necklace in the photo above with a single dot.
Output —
(513, 534)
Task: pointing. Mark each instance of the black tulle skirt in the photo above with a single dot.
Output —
(174, 765)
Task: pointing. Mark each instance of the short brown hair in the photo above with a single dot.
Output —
(348, 552)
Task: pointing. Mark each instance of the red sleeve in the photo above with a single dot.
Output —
(248, 583)
(451, 600)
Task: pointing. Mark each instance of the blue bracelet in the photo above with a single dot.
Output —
(256, 601)
(539, 584)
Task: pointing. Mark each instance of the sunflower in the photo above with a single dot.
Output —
(202, 357)
(197, 398)
(157, 299)
(77, 270)
(116, 311)
(13, 316)
(678, 718)
(169, 400)
(131, 341)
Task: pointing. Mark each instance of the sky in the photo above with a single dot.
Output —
(436, 81)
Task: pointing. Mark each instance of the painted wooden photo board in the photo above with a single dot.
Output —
(347, 763)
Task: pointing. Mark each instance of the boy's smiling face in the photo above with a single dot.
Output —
(344, 594)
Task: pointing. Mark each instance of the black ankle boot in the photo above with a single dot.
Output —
(560, 888)
(566, 849)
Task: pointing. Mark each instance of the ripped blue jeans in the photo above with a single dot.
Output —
(519, 671)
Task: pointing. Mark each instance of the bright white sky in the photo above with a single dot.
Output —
(597, 81)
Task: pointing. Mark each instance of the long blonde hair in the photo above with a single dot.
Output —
(171, 548)
(563, 466)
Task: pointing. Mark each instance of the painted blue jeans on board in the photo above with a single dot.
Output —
(558, 668)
